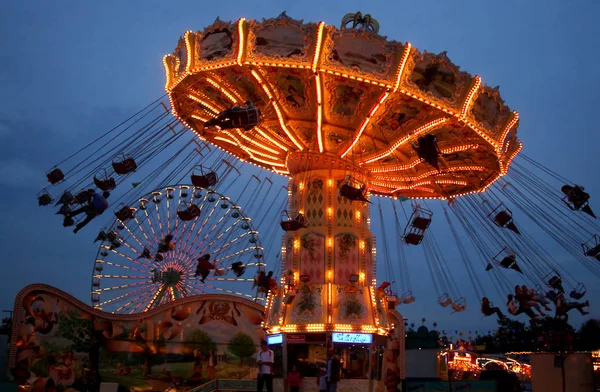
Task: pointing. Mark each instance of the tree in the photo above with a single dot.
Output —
(84, 338)
(76, 329)
(242, 346)
(588, 336)
(200, 340)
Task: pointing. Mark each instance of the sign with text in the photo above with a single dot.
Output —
(357, 338)
(295, 338)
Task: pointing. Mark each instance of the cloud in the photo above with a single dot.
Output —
(19, 174)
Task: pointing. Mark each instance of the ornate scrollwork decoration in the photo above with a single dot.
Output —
(359, 21)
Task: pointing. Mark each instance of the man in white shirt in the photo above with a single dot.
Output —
(265, 359)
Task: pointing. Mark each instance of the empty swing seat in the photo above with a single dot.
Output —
(502, 218)
(421, 223)
(444, 300)
(292, 224)
(578, 292)
(124, 166)
(413, 238)
(204, 180)
(190, 213)
(44, 198)
(408, 298)
(105, 183)
(459, 305)
(592, 252)
(55, 176)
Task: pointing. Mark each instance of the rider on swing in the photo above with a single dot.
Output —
(96, 206)
(575, 195)
(245, 116)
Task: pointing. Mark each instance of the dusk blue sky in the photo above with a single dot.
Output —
(69, 70)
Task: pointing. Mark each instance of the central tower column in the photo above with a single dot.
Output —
(328, 271)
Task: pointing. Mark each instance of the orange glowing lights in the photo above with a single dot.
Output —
(241, 41)
(405, 139)
(472, 92)
(266, 89)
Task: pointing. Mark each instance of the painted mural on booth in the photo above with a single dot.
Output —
(59, 343)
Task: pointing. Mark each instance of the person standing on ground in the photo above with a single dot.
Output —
(294, 379)
(333, 371)
(212, 363)
(265, 359)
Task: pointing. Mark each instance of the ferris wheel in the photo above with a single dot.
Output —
(175, 242)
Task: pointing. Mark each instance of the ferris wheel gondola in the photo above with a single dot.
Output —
(152, 255)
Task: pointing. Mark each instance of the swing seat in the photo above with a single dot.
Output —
(292, 224)
(65, 198)
(556, 283)
(44, 198)
(68, 221)
(578, 292)
(408, 298)
(124, 213)
(64, 210)
(55, 176)
(114, 245)
(105, 183)
(124, 166)
(236, 117)
(190, 213)
(591, 248)
(354, 194)
(99, 267)
(413, 238)
(145, 254)
(459, 305)
(96, 282)
(421, 223)
(112, 236)
(592, 252)
(204, 180)
(101, 236)
(95, 298)
(83, 197)
(444, 300)
(220, 272)
(502, 218)
(575, 295)
(238, 268)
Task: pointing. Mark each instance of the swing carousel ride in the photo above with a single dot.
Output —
(344, 114)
